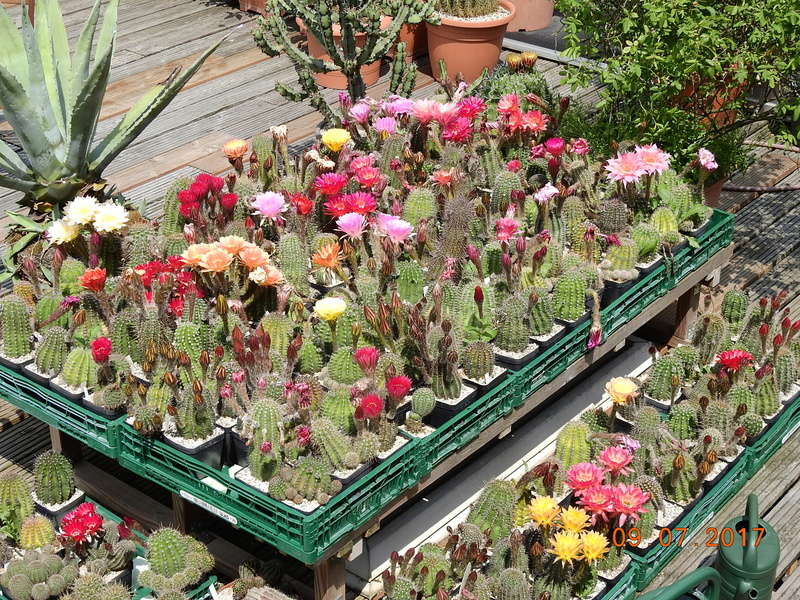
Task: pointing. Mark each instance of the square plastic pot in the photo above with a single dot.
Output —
(209, 452)
(516, 361)
(613, 290)
(15, 364)
(444, 411)
(56, 513)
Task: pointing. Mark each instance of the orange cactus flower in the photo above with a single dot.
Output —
(253, 257)
(195, 253)
(327, 257)
(216, 260)
(235, 149)
(232, 244)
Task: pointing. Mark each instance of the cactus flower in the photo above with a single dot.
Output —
(80, 211)
(396, 229)
(270, 205)
(506, 228)
(544, 510)
(598, 501)
(93, 280)
(566, 547)
(629, 501)
(101, 350)
(508, 104)
(595, 546)
(367, 358)
(546, 193)
(654, 159)
(233, 244)
(734, 360)
(352, 225)
(359, 112)
(371, 406)
(580, 147)
(574, 520)
(707, 159)
(397, 387)
(385, 126)
(615, 460)
(334, 139)
(555, 146)
(621, 389)
(216, 260)
(61, 232)
(330, 184)
(329, 309)
(626, 167)
(584, 476)
(235, 149)
(253, 257)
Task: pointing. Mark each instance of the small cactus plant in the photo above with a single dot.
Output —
(572, 444)
(419, 204)
(338, 407)
(52, 351)
(540, 315)
(647, 241)
(309, 480)
(80, 370)
(147, 420)
(54, 478)
(569, 297)
(177, 561)
(36, 532)
(194, 417)
(512, 327)
(620, 261)
(665, 378)
(332, 444)
(15, 327)
(477, 360)
(493, 511)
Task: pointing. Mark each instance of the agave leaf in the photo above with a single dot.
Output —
(26, 223)
(10, 161)
(141, 115)
(61, 52)
(29, 126)
(14, 183)
(86, 113)
(12, 52)
(108, 32)
(82, 60)
(45, 55)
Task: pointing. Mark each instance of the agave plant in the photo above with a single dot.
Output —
(52, 98)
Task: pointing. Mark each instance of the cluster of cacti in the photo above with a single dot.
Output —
(310, 480)
(38, 576)
(15, 327)
(423, 401)
(569, 299)
(177, 561)
(682, 479)
(91, 586)
(493, 511)
(54, 479)
(194, 416)
(114, 554)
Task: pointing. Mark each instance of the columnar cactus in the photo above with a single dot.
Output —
(786, 374)
(504, 184)
(734, 308)
(368, 446)
(52, 351)
(332, 444)
(172, 221)
(665, 221)
(477, 360)
(492, 258)
(612, 216)
(573, 212)
(54, 478)
(410, 281)
(35, 532)
(147, 420)
(309, 480)
(647, 241)
(342, 368)
(420, 204)
(664, 378)
(48, 304)
(510, 320)
(766, 392)
(740, 395)
(682, 421)
(719, 415)
(423, 401)
(15, 327)
(280, 329)
(540, 313)
(493, 511)
(681, 480)
(194, 418)
(80, 369)
(293, 260)
(690, 357)
(569, 297)
(123, 334)
(309, 358)
(337, 406)
(176, 561)
(709, 335)
(572, 444)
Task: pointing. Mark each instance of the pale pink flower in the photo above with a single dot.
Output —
(360, 112)
(425, 111)
(707, 159)
(352, 224)
(627, 167)
(580, 147)
(615, 459)
(508, 104)
(397, 105)
(445, 113)
(506, 228)
(396, 229)
(269, 204)
(654, 160)
(385, 125)
(547, 192)
(359, 162)
(583, 476)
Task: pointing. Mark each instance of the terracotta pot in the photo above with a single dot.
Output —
(259, 6)
(416, 39)
(532, 15)
(713, 192)
(335, 79)
(467, 47)
(712, 108)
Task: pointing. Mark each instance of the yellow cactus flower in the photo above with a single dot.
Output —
(544, 511)
(595, 546)
(334, 139)
(621, 389)
(566, 547)
(574, 520)
(330, 309)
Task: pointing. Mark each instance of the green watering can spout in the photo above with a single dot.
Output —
(746, 591)
(687, 584)
(751, 552)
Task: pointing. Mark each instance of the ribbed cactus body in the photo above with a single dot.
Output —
(477, 360)
(493, 511)
(15, 327)
(38, 575)
(337, 406)
(646, 424)
(280, 329)
(423, 401)
(740, 395)
(420, 204)
(195, 418)
(530, 215)
(123, 334)
(188, 339)
(664, 378)
(719, 416)
(664, 220)
(492, 258)
(174, 245)
(54, 480)
(573, 212)
(166, 552)
(647, 241)
(35, 532)
(52, 351)
(510, 320)
(612, 216)
(786, 374)
(410, 281)
(342, 368)
(332, 444)
(681, 481)
(569, 294)
(622, 257)
(505, 182)
(309, 480)
(540, 316)
(46, 306)
(572, 444)
(79, 369)
(767, 396)
(293, 261)
(368, 446)
(147, 420)
(734, 308)
(141, 245)
(71, 270)
(689, 357)
(682, 421)
(752, 424)
(711, 332)
(152, 332)
(172, 221)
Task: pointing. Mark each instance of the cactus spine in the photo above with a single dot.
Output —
(15, 327)
(477, 360)
(493, 511)
(665, 377)
(79, 369)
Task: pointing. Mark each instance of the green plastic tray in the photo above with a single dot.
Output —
(308, 537)
(54, 409)
(625, 588)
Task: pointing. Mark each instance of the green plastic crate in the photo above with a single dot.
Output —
(201, 592)
(769, 443)
(54, 409)
(625, 588)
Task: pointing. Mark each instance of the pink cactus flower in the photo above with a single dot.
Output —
(303, 434)
(352, 224)
(425, 111)
(508, 104)
(360, 162)
(457, 130)
(537, 151)
(629, 502)
(506, 228)
(584, 476)
(627, 167)
(654, 160)
(330, 184)
(615, 459)
(555, 146)
(514, 165)
(445, 113)
(266, 447)
(546, 193)
(397, 105)
(598, 501)
(707, 159)
(385, 126)
(360, 112)
(580, 147)
(396, 229)
(471, 106)
(367, 359)
(269, 204)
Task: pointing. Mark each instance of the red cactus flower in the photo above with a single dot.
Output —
(101, 350)
(228, 201)
(302, 204)
(371, 405)
(303, 434)
(734, 360)
(397, 387)
(266, 447)
(93, 280)
(367, 359)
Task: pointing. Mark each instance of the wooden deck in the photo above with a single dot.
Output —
(234, 96)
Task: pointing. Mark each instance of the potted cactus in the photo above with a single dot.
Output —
(54, 490)
(78, 376)
(470, 35)
(478, 366)
(423, 401)
(16, 331)
(192, 429)
(541, 318)
(513, 345)
(176, 561)
(569, 299)
(618, 269)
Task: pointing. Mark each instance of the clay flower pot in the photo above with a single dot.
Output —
(258, 6)
(416, 39)
(467, 47)
(335, 79)
(713, 192)
(532, 15)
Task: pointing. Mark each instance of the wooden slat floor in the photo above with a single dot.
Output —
(234, 96)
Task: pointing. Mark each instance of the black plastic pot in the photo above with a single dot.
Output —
(513, 363)
(401, 412)
(485, 387)
(570, 325)
(613, 290)
(236, 449)
(444, 412)
(355, 475)
(35, 375)
(76, 397)
(545, 342)
(108, 413)
(209, 452)
(12, 364)
(55, 516)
